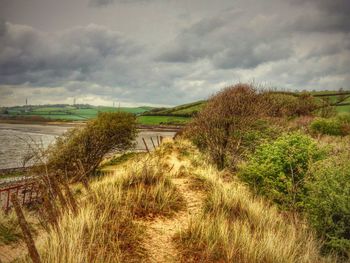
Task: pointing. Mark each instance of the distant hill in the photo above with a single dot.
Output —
(184, 110)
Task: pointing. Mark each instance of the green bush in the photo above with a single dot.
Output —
(338, 126)
(278, 169)
(328, 202)
(326, 126)
(84, 148)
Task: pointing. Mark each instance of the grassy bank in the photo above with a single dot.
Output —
(209, 216)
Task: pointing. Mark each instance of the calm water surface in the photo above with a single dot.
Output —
(15, 140)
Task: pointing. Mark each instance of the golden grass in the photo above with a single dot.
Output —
(105, 229)
(235, 226)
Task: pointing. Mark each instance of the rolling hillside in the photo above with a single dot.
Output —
(184, 110)
(148, 115)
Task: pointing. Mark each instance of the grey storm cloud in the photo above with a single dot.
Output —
(334, 6)
(116, 53)
(28, 55)
(242, 39)
(103, 3)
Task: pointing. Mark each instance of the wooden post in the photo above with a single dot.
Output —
(33, 252)
(158, 140)
(24, 194)
(143, 139)
(161, 139)
(56, 189)
(50, 208)
(72, 202)
(153, 143)
(31, 193)
(8, 200)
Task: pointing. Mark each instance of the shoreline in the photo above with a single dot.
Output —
(44, 123)
(5, 171)
(141, 127)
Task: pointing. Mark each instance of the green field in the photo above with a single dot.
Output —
(146, 115)
(70, 113)
(334, 99)
(75, 113)
(156, 120)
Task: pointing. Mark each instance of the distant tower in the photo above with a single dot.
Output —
(26, 101)
(73, 101)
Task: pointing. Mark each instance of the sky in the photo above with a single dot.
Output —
(168, 52)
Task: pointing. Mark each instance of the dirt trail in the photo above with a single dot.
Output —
(160, 231)
(159, 238)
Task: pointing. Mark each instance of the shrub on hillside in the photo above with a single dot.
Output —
(337, 126)
(287, 105)
(225, 119)
(306, 104)
(326, 126)
(278, 170)
(80, 150)
(281, 104)
(328, 202)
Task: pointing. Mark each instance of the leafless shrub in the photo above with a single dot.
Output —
(220, 126)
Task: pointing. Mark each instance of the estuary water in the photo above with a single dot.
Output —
(16, 140)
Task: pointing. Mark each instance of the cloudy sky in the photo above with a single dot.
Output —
(168, 52)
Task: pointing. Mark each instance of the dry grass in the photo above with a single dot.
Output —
(235, 226)
(232, 225)
(105, 229)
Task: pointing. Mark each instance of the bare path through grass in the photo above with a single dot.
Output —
(160, 231)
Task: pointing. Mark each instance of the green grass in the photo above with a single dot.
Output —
(345, 108)
(70, 113)
(156, 120)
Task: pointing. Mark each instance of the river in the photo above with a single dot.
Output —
(17, 139)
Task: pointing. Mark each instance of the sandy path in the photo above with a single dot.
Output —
(160, 231)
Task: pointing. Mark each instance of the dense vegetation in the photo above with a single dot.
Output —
(327, 202)
(288, 168)
(278, 169)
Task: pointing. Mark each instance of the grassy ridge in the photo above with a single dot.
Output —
(232, 225)
(107, 225)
